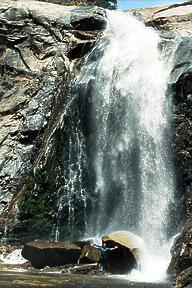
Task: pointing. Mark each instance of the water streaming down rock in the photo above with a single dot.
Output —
(130, 131)
(130, 120)
(124, 132)
(72, 196)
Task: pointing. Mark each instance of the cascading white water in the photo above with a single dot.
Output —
(130, 116)
(72, 194)
(73, 177)
(14, 257)
(117, 168)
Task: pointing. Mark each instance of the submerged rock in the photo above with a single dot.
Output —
(47, 253)
(82, 269)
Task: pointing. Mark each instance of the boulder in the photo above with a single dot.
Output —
(89, 254)
(126, 257)
(46, 253)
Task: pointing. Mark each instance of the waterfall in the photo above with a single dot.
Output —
(130, 120)
(117, 165)
(71, 207)
(125, 78)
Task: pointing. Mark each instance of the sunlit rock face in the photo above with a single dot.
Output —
(175, 17)
(41, 45)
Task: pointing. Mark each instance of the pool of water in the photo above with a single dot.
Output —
(11, 279)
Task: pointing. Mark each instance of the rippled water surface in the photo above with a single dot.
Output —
(23, 280)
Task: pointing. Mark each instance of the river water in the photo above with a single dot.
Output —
(11, 279)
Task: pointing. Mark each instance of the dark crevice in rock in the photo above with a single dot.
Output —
(184, 86)
(11, 41)
(1, 95)
(80, 50)
(28, 137)
(89, 24)
(158, 22)
(84, 35)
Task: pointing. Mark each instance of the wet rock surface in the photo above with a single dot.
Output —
(40, 47)
(181, 253)
(181, 82)
(184, 279)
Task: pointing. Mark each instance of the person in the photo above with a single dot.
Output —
(104, 250)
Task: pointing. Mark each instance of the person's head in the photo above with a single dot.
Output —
(104, 245)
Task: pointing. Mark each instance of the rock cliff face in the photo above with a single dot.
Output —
(41, 46)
